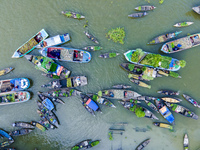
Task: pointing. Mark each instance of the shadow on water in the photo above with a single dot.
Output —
(193, 14)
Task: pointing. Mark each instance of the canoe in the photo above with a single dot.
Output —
(57, 100)
(140, 83)
(20, 132)
(147, 98)
(132, 106)
(181, 44)
(164, 37)
(66, 54)
(163, 125)
(6, 71)
(38, 125)
(138, 77)
(6, 143)
(101, 100)
(182, 110)
(183, 24)
(118, 94)
(137, 15)
(186, 142)
(67, 83)
(143, 144)
(196, 9)
(91, 37)
(17, 84)
(92, 48)
(63, 92)
(140, 57)
(151, 105)
(14, 97)
(164, 111)
(55, 40)
(121, 86)
(169, 73)
(191, 100)
(145, 8)
(171, 100)
(5, 134)
(30, 44)
(168, 92)
(109, 55)
(22, 125)
(85, 144)
(48, 66)
(71, 14)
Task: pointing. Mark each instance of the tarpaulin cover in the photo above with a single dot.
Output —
(92, 104)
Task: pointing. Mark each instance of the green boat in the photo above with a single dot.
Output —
(85, 144)
(92, 48)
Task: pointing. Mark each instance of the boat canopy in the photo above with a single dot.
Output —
(92, 104)
(48, 104)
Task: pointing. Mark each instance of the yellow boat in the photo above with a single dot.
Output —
(163, 125)
(171, 100)
(140, 83)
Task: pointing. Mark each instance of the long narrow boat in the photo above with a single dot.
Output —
(71, 14)
(151, 105)
(48, 66)
(145, 8)
(164, 37)
(163, 125)
(45, 102)
(38, 125)
(191, 100)
(67, 83)
(171, 100)
(6, 135)
(143, 144)
(138, 77)
(6, 71)
(66, 54)
(169, 73)
(55, 40)
(101, 100)
(30, 44)
(140, 83)
(196, 9)
(182, 110)
(186, 142)
(183, 24)
(158, 61)
(147, 98)
(6, 143)
(16, 84)
(85, 144)
(90, 110)
(138, 15)
(109, 55)
(91, 37)
(22, 125)
(45, 122)
(164, 111)
(14, 97)
(92, 48)
(181, 44)
(118, 94)
(121, 86)
(168, 92)
(20, 132)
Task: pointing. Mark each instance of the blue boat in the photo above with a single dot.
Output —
(16, 84)
(6, 135)
(56, 40)
(46, 101)
(66, 54)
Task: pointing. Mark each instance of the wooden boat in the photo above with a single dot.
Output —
(85, 144)
(171, 100)
(164, 37)
(74, 15)
(48, 66)
(6, 143)
(20, 132)
(191, 100)
(108, 55)
(55, 40)
(101, 100)
(164, 111)
(118, 94)
(45, 105)
(14, 97)
(5, 134)
(132, 106)
(6, 71)
(140, 57)
(30, 44)
(183, 24)
(143, 144)
(140, 83)
(151, 105)
(38, 125)
(196, 9)
(91, 37)
(145, 8)
(181, 44)
(121, 86)
(66, 54)
(138, 77)
(168, 73)
(163, 125)
(16, 84)
(137, 15)
(92, 48)
(57, 100)
(67, 83)
(90, 110)
(182, 110)
(147, 98)
(22, 125)
(186, 142)
(63, 92)
(168, 92)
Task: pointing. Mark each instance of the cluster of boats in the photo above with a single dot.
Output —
(143, 10)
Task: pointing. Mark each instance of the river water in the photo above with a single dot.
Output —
(21, 19)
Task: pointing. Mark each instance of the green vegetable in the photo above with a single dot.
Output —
(182, 63)
(131, 67)
(112, 55)
(68, 14)
(78, 16)
(75, 148)
(100, 93)
(173, 74)
(139, 112)
(161, 1)
(110, 136)
(116, 35)
(138, 69)
(144, 68)
(174, 107)
(95, 97)
(133, 108)
(95, 143)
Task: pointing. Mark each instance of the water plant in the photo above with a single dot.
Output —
(110, 136)
(116, 35)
